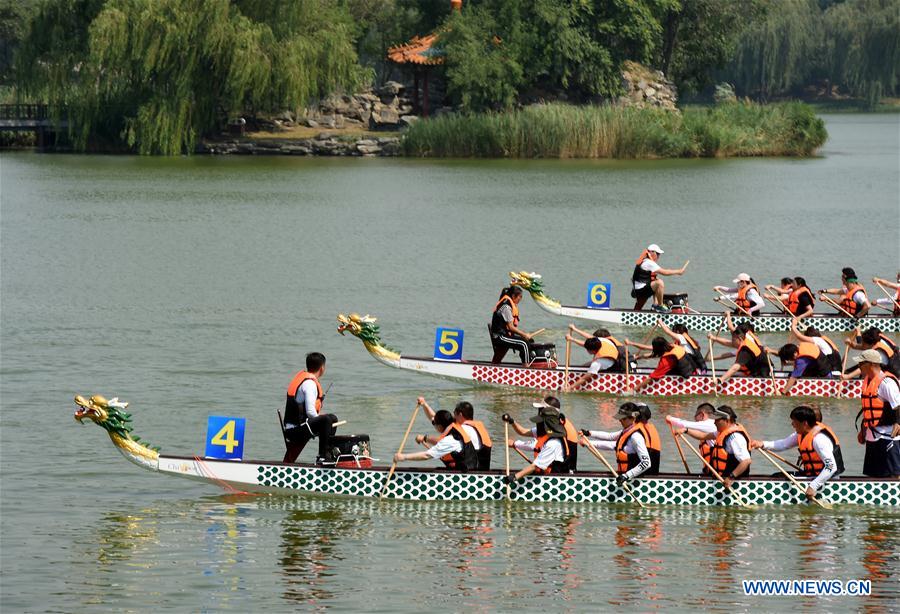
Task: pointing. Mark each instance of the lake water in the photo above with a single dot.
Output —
(195, 286)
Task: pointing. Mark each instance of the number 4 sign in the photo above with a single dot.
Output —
(225, 438)
(448, 343)
(598, 295)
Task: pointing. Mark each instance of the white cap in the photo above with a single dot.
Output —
(655, 248)
(741, 277)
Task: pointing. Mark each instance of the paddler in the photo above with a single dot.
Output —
(873, 339)
(464, 416)
(820, 450)
(702, 424)
(568, 426)
(505, 332)
(633, 456)
(824, 343)
(453, 446)
(549, 445)
(606, 358)
(303, 417)
(645, 280)
(673, 359)
(730, 454)
(680, 334)
(795, 295)
(808, 361)
(880, 430)
(893, 304)
(854, 299)
(750, 359)
(606, 340)
(745, 295)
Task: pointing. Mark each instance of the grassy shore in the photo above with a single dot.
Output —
(568, 131)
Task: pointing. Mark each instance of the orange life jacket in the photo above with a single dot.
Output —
(848, 303)
(742, 301)
(684, 366)
(512, 305)
(809, 350)
(466, 458)
(607, 350)
(723, 462)
(706, 451)
(484, 452)
(654, 447)
(810, 459)
(555, 466)
(292, 410)
(873, 408)
(793, 302)
(624, 460)
(759, 367)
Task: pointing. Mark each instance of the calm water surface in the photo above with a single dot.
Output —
(195, 286)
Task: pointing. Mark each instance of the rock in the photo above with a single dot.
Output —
(391, 88)
(408, 120)
(649, 92)
(285, 116)
(311, 123)
(367, 147)
(297, 150)
(386, 117)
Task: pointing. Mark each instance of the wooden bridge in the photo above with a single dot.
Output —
(45, 121)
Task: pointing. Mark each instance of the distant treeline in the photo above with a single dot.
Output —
(155, 75)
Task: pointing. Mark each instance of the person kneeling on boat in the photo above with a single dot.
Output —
(505, 332)
(634, 444)
(730, 454)
(751, 355)
(550, 447)
(808, 361)
(453, 446)
(703, 424)
(303, 417)
(464, 416)
(672, 359)
(645, 282)
(820, 450)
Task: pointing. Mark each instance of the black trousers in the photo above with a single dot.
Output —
(504, 343)
(322, 426)
(882, 459)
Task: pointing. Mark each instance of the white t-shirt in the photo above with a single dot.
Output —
(752, 296)
(736, 444)
(649, 266)
(308, 392)
(822, 345)
(634, 445)
(888, 392)
(552, 451)
(473, 435)
(704, 426)
(600, 364)
(823, 446)
(447, 445)
(859, 297)
(683, 343)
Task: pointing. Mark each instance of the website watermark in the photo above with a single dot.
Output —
(813, 588)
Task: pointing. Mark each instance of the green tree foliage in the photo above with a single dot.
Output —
(14, 18)
(156, 74)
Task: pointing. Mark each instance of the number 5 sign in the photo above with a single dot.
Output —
(225, 438)
(598, 295)
(448, 343)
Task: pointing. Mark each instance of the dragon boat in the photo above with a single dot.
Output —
(443, 485)
(700, 321)
(551, 376)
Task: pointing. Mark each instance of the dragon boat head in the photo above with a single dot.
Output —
(364, 328)
(533, 283)
(112, 417)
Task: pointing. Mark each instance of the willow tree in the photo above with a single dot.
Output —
(156, 74)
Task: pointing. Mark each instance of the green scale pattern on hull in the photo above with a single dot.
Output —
(762, 324)
(575, 489)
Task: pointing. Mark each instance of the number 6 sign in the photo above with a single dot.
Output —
(448, 343)
(598, 294)
(225, 438)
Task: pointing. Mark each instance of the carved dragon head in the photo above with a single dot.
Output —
(367, 331)
(533, 283)
(109, 414)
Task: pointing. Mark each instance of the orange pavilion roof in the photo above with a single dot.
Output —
(418, 50)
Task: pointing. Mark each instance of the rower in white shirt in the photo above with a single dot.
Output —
(745, 295)
(820, 450)
(702, 423)
(630, 444)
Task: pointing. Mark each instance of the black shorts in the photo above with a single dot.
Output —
(645, 292)
(882, 458)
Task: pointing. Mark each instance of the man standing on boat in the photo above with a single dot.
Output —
(854, 300)
(303, 417)
(549, 445)
(464, 416)
(880, 430)
(820, 450)
(645, 280)
(505, 332)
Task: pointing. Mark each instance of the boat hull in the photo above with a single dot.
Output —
(517, 376)
(767, 323)
(440, 485)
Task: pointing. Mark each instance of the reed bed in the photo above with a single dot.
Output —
(602, 131)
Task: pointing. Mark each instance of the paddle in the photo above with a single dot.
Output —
(718, 332)
(775, 390)
(733, 492)
(777, 300)
(784, 460)
(603, 460)
(627, 369)
(399, 451)
(722, 297)
(339, 423)
(538, 332)
(712, 357)
(680, 451)
(506, 437)
(840, 382)
(826, 299)
(522, 454)
(887, 294)
(650, 334)
(821, 503)
(565, 385)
